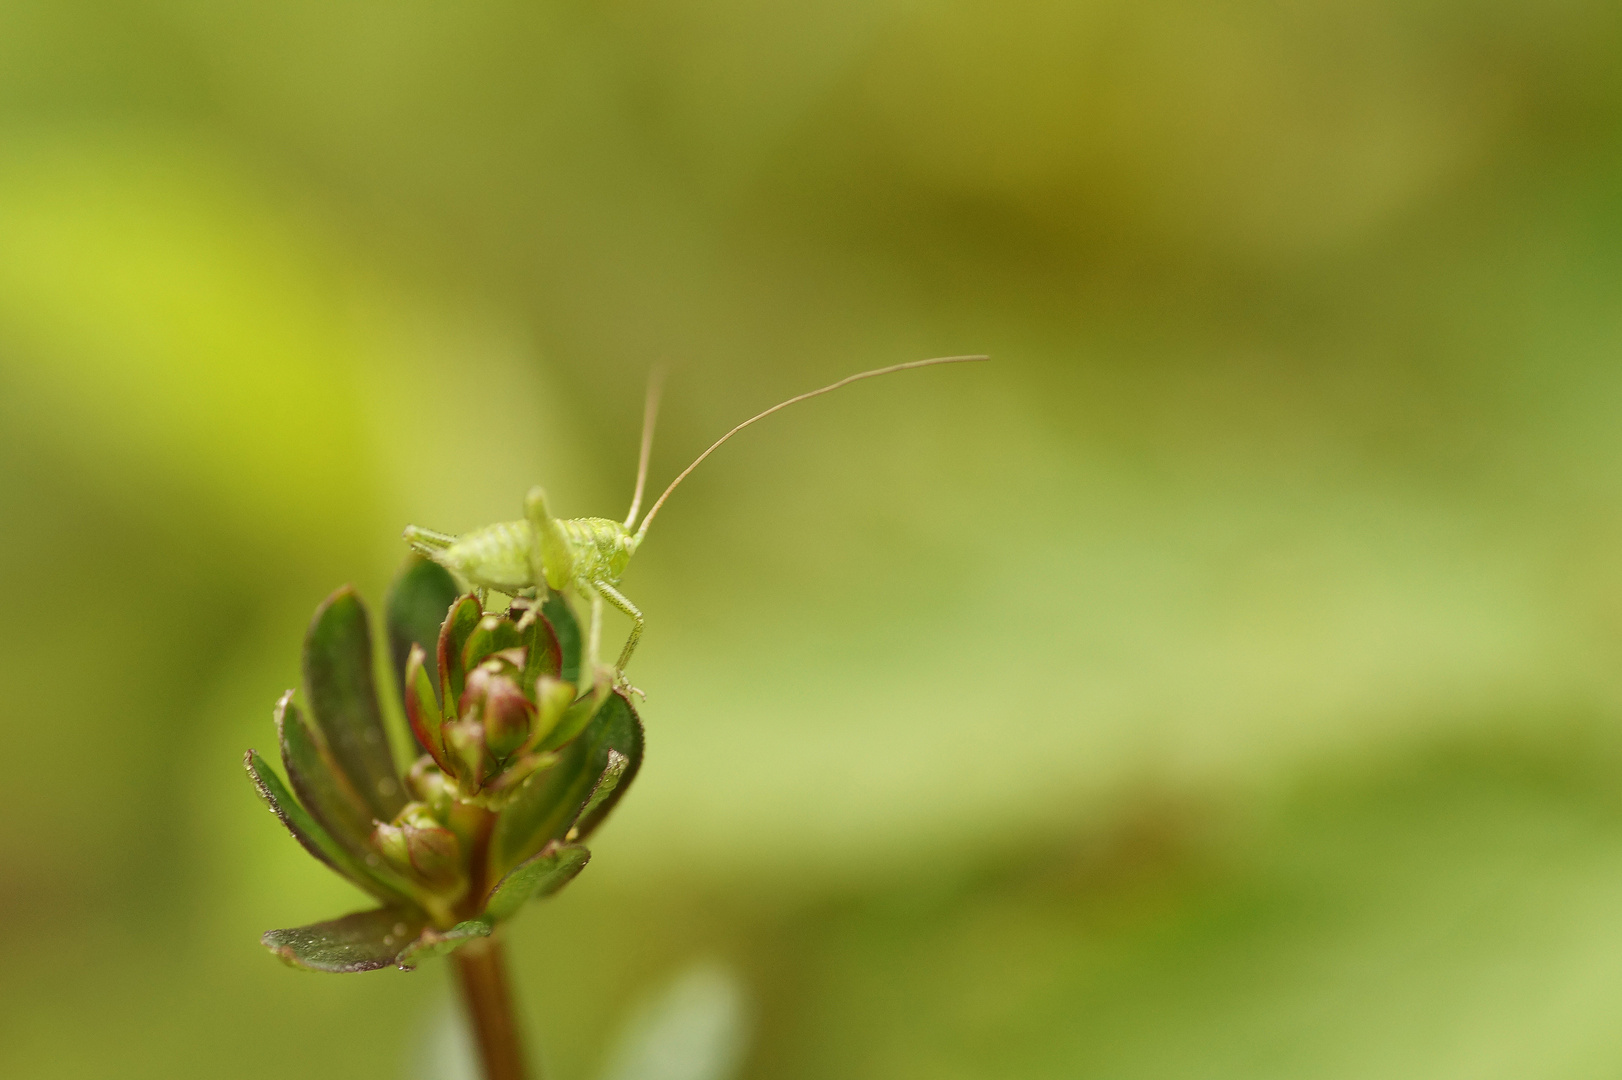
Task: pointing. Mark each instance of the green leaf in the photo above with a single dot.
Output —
(364, 941)
(309, 833)
(564, 867)
(458, 627)
(433, 942)
(417, 603)
(567, 628)
(422, 707)
(325, 792)
(343, 701)
(542, 653)
(537, 877)
(606, 785)
(491, 634)
(575, 718)
(551, 803)
(541, 810)
(615, 729)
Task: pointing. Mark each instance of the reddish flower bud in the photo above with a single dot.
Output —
(509, 717)
(422, 848)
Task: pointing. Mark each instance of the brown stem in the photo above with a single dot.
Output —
(482, 973)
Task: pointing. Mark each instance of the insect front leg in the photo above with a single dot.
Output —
(619, 600)
(594, 637)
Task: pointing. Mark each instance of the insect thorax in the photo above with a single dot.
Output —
(602, 548)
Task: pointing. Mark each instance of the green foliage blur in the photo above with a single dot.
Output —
(1223, 683)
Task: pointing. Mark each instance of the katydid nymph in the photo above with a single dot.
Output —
(588, 555)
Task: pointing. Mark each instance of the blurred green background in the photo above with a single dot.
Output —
(1223, 683)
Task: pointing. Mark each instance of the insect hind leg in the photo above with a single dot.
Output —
(551, 561)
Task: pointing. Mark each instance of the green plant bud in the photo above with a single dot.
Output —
(391, 842)
(464, 741)
(552, 698)
(431, 787)
(477, 686)
(422, 848)
(508, 720)
(436, 856)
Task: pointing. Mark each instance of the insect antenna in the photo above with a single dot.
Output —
(716, 445)
(650, 413)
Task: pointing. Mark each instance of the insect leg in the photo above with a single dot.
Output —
(550, 558)
(618, 599)
(594, 635)
(427, 541)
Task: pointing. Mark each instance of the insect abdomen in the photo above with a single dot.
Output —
(494, 557)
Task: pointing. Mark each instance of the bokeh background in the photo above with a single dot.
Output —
(1222, 683)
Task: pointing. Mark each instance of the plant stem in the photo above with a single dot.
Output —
(481, 970)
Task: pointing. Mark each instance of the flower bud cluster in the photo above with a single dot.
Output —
(432, 838)
(501, 708)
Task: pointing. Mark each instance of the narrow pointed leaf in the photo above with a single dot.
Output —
(542, 809)
(459, 624)
(615, 729)
(549, 804)
(563, 867)
(364, 941)
(576, 717)
(325, 791)
(343, 701)
(491, 634)
(416, 607)
(553, 697)
(605, 786)
(422, 707)
(433, 942)
(536, 877)
(567, 628)
(309, 833)
(542, 653)
(305, 829)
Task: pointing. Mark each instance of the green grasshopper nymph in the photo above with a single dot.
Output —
(588, 555)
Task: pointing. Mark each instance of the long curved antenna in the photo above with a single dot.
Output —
(650, 413)
(846, 381)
